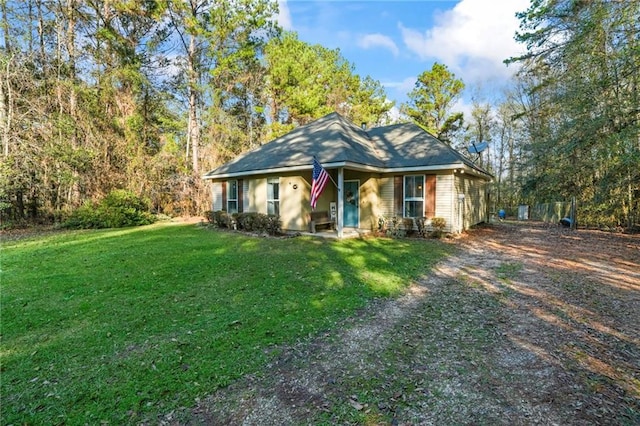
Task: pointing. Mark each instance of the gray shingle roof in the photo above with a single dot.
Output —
(334, 139)
(408, 145)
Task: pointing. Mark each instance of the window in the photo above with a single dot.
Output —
(232, 196)
(273, 196)
(413, 196)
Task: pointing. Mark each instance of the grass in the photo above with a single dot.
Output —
(432, 356)
(122, 326)
(508, 271)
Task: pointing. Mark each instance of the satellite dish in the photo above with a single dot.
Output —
(477, 148)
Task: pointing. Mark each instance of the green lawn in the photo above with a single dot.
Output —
(121, 326)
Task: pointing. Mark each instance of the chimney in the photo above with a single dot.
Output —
(364, 125)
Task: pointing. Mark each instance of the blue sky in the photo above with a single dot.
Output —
(395, 41)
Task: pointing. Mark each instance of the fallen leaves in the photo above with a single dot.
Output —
(508, 332)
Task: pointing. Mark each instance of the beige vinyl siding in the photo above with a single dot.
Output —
(293, 195)
(369, 201)
(444, 200)
(445, 194)
(294, 199)
(245, 195)
(472, 210)
(478, 214)
(386, 197)
(376, 198)
(460, 206)
(216, 192)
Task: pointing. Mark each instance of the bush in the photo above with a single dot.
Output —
(258, 222)
(438, 224)
(274, 225)
(84, 217)
(421, 224)
(383, 224)
(210, 216)
(395, 228)
(407, 225)
(249, 221)
(118, 209)
(220, 218)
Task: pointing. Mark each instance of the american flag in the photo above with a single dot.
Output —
(319, 181)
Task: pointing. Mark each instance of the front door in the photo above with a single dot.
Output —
(351, 203)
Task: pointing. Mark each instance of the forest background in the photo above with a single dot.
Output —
(145, 96)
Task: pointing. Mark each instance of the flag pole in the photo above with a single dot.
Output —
(328, 174)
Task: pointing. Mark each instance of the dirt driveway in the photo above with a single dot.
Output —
(526, 324)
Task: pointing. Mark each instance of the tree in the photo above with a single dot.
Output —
(431, 100)
(142, 95)
(369, 104)
(481, 129)
(509, 140)
(307, 81)
(220, 46)
(582, 105)
(189, 21)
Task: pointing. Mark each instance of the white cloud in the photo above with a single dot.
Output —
(398, 90)
(394, 115)
(465, 107)
(403, 86)
(284, 16)
(378, 40)
(472, 39)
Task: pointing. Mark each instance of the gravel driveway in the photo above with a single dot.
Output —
(525, 324)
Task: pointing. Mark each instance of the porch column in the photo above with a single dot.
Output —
(340, 201)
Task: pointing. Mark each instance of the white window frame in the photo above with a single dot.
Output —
(273, 200)
(412, 199)
(232, 200)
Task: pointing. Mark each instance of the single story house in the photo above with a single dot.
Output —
(398, 170)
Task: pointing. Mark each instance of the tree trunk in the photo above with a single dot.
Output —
(193, 125)
(71, 52)
(6, 98)
(6, 106)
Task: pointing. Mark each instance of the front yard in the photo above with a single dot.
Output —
(125, 326)
(524, 324)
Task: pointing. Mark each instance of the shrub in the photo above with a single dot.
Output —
(421, 224)
(250, 221)
(85, 216)
(123, 208)
(274, 225)
(118, 209)
(407, 225)
(438, 224)
(220, 218)
(258, 222)
(383, 224)
(395, 228)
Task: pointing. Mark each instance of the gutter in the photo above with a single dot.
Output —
(463, 168)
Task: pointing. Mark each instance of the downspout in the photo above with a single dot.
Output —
(340, 202)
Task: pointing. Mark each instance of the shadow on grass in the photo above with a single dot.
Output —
(120, 325)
